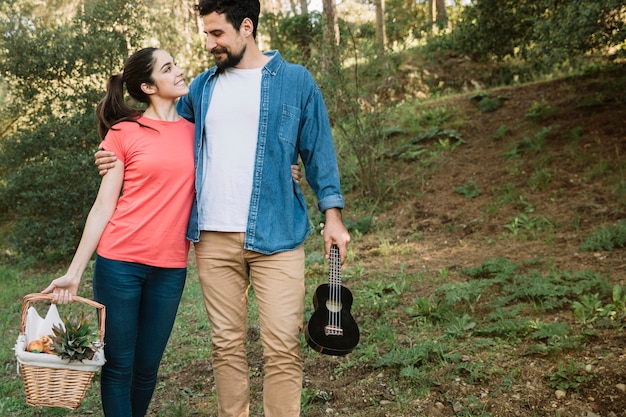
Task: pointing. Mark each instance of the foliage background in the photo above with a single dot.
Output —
(57, 55)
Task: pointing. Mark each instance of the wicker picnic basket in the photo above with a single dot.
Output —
(49, 380)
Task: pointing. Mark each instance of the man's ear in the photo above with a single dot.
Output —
(148, 88)
(247, 27)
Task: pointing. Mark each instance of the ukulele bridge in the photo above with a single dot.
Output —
(333, 331)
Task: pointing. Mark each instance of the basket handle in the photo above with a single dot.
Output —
(28, 298)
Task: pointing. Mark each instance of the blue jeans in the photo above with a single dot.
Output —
(141, 304)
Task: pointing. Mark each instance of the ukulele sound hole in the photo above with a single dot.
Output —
(333, 306)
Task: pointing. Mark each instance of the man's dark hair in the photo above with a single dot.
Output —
(234, 10)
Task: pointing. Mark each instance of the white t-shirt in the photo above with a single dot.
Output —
(231, 132)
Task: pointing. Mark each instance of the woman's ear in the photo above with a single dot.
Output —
(148, 88)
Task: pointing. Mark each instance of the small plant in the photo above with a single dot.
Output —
(540, 179)
(523, 222)
(619, 298)
(445, 145)
(575, 133)
(502, 130)
(436, 116)
(620, 191)
(496, 268)
(513, 152)
(593, 100)
(422, 381)
(421, 307)
(74, 340)
(469, 190)
(508, 193)
(445, 140)
(415, 355)
(535, 144)
(587, 308)
(551, 337)
(606, 238)
(486, 102)
(568, 376)
(468, 292)
(524, 204)
(539, 110)
(443, 273)
(617, 309)
(310, 396)
(472, 372)
(460, 326)
(489, 104)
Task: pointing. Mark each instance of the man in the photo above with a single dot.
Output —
(255, 115)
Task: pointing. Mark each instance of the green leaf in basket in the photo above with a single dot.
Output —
(75, 342)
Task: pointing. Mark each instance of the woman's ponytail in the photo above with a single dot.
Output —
(113, 109)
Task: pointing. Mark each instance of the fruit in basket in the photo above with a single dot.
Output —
(41, 345)
(75, 341)
(35, 346)
(47, 343)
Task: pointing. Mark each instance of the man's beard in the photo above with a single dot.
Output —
(231, 60)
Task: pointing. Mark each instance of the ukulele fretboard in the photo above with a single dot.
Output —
(333, 328)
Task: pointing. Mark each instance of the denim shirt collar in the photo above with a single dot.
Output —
(273, 65)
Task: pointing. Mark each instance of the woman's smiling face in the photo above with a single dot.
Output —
(167, 76)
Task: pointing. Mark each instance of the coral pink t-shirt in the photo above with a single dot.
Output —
(150, 220)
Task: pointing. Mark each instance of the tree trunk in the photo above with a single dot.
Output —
(442, 15)
(270, 6)
(431, 15)
(381, 32)
(332, 25)
(437, 15)
(331, 35)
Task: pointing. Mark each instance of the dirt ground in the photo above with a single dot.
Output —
(458, 232)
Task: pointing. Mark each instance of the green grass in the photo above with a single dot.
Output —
(481, 310)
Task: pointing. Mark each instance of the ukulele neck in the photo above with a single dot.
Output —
(333, 328)
(334, 272)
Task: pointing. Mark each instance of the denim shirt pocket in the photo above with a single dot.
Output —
(289, 124)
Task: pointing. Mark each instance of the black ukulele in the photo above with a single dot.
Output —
(331, 330)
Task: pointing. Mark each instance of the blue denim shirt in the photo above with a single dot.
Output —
(293, 122)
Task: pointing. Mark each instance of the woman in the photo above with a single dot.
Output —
(137, 227)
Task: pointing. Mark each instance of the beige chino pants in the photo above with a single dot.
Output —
(226, 272)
